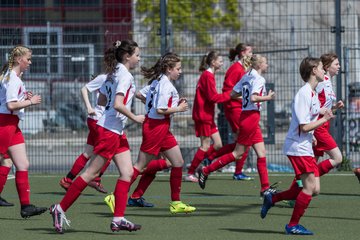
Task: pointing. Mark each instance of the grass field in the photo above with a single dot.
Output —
(226, 209)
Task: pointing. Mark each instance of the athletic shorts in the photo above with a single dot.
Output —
(325, 142)
(92, 126)
(232, 115)
(304, 164)
(10, 133)
(249, 128)
(205, 129)
(109, 143)
(157, 136)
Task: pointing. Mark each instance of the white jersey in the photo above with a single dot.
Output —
(305, 109)
(161, 94)
(144, 90)
(120, 82)
(10, 91)
(251, 83)
(325, 92)
(95, 85)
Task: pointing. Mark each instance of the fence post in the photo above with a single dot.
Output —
(163, 27)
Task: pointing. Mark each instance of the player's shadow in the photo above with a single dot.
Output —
(247, 230)
(51, 231)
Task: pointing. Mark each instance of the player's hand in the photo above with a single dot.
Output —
(339, 105)
(328, 114)
(183, 105)
(29, 95)
(271, 94)
(91, 111)
(139, 118)
(36, 99)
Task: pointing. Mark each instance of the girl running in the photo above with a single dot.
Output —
(117, 92)
(13, 99)
(298, 146)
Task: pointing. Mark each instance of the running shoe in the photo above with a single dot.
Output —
(297, 230)
(242, 177)
(31, 210)
(139, 202)
(124, 225)
(191, 178)
(202, 178)
(97, 186)
(180, 207)
(4, 203)
(267, 204)
(110, 201)
(58, 219)
(65, 183)
(273, 189)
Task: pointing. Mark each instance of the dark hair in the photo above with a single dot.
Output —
(17, 51)
(124, 47)
(327, 59)
(110, 61)
(233, 52)
(168, 60)
(306, 67)
(207, 59)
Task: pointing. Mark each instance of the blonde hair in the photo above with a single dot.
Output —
(16, 52)
(254, 61)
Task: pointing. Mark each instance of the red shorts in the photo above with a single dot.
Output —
(249, 129)
(205, 129)
(109, 143)
(157, 136)
(304, 164)
(232, 115)
(91, 139)
(325, 142)
(10, 133)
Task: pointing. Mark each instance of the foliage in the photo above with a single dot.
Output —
(197, 17)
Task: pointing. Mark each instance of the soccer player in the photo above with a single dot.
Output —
(13, 100)
(298, 146)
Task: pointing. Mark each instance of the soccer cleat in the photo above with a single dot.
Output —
(31, 210)
(273, 189)
(4, 203)
(124, 225)
(297, 230)
(180, 207)
(139, 202)
(97, 186)
(202, 178)
(267, 204)
(357, 173)
(58, 219)
(191, 178)
(65, 183)
(110, 201)
(242, 177)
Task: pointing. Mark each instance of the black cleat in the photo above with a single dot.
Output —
(31, 210)
(4, 203)
(202, 178)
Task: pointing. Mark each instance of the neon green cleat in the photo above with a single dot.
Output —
(110, 201)
(180, 207)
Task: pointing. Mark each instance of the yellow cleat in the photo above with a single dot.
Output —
(110, 201)
(180, 207)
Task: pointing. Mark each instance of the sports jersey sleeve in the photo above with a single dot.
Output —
(302, 106)
(12, 93)
(164, 96)
(144, 90)
(238, 87)
(209, 90)
(258, 86)
(124, 84)
(96, 83)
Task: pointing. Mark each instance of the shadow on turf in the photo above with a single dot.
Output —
(52, 231)
(246, 230)
(63, 193)
(340, 194)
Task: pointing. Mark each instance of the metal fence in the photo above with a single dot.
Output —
(68, 38)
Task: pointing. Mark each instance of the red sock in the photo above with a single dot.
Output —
(79, 165)
(175, 183)
(324, 167)
(144, 182)
(210, 151)
(120, 193)
(106, 165)
(222, 151)
(23, 187)
(73, 193)
(263, 174)
(4, 172)
(198, 158)
(240, 163)
(290, 194)
(301, 204)
(155, 166)
(135, 175)
(219, 163)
